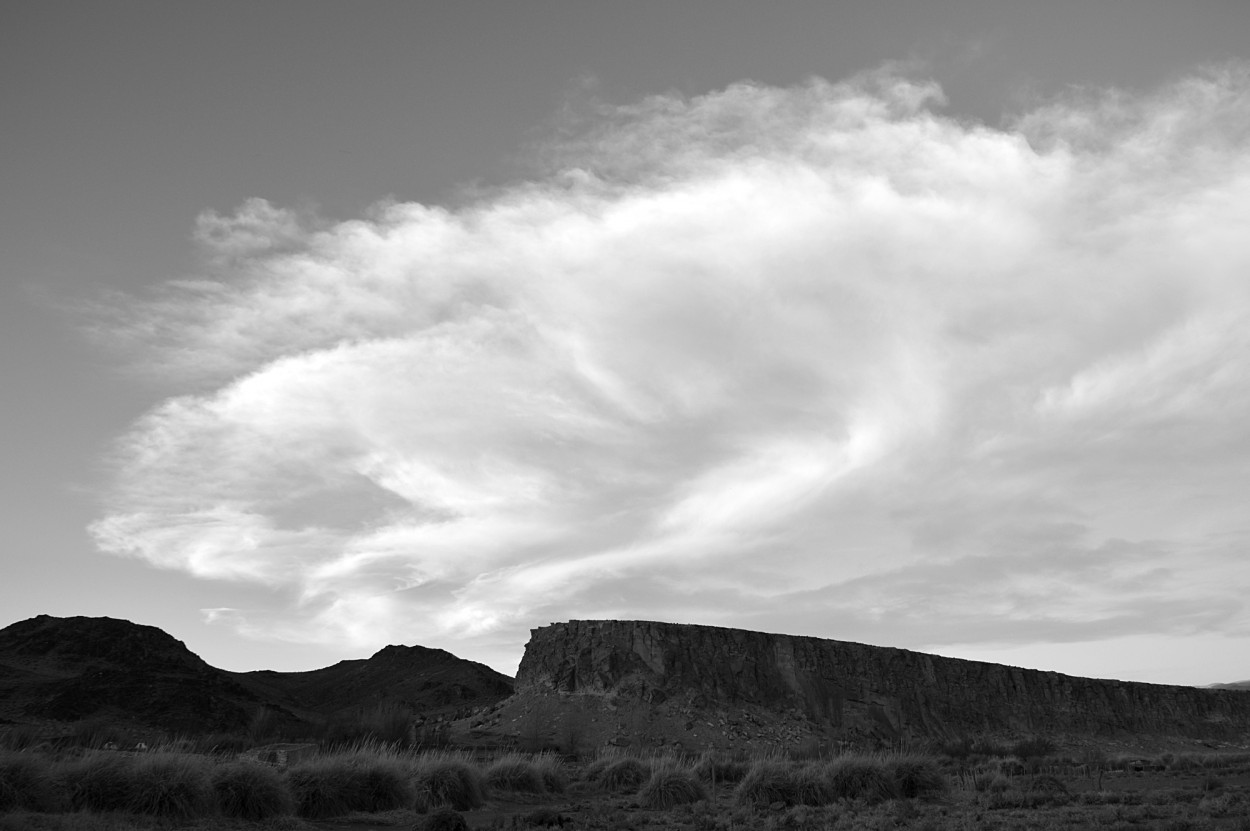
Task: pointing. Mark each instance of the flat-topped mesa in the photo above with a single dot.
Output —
(856, 689)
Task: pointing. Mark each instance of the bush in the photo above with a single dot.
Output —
(916, 776)
(625, 775)
(172, 785)
(861, 778)
(26, 783)
(669, 786)
(450, 782)
(251, 791)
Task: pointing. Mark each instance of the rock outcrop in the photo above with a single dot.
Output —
(855, 690)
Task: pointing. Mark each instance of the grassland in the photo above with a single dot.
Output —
(962, 785)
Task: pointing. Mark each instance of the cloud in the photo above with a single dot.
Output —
(817, 357)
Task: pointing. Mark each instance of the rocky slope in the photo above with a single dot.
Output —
(853, 690)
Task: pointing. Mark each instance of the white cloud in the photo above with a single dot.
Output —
(803, 356)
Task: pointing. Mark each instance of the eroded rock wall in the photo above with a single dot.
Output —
(856, 689)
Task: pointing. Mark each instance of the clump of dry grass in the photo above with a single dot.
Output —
(861, 777)
(251, 791)
(100, 781)
(917, 776)
(27, 783)
(769, 781)
(173, 785)
(515, 772)
(625, 775)
(448, 780)
(715, 769)
(670, 785)
(328, 786)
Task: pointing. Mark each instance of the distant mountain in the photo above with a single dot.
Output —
(1236, 685)
(79, 668)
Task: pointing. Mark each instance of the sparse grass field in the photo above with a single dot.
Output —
(374, 787)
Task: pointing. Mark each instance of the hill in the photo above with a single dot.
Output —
(55, 670)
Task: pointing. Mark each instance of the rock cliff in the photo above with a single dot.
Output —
(855, 690)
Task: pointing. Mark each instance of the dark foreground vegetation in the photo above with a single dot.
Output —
(970, 784)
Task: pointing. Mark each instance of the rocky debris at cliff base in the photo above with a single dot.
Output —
(580, 722)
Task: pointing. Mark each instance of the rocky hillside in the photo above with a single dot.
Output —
(853, 690)
(101, 669)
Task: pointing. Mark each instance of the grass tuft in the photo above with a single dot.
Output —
(26, 783)
(514, 773)
(172, 785)
(337, 784)
(670, 785)
(625, 775)
(251, 791)
(716, 769)
(446, 781)
(102, 781)
(861, 777)
(769, 781)
(917, 777)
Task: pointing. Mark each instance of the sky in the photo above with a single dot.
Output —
(327, 326)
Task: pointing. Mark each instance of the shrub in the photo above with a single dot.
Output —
(861, 778)
(916, 776)
(669, 786)
(625, 775)
(450, 782)
(251, 791)
(26, 783)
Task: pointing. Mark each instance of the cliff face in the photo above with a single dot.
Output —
(855, 689)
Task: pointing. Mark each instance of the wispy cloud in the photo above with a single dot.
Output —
(799, 356)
